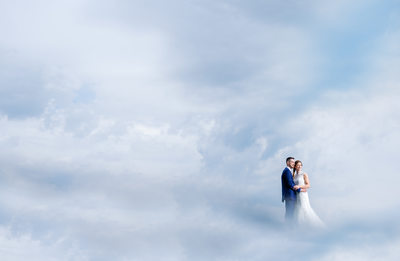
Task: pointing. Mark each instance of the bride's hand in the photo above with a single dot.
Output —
(303, 190)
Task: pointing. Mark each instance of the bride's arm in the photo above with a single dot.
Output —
(306, 182)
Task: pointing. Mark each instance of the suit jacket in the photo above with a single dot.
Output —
(287, 185)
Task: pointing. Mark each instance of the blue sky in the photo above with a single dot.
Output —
(148, 130)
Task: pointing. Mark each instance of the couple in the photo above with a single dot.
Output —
(294, 192)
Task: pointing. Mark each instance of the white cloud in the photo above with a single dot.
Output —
(24, 246)
(172, 154)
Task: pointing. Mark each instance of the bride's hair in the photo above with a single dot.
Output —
(295, 164)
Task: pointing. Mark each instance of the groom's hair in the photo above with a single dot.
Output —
(289, 158)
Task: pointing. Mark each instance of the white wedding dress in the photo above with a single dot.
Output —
(303, 213)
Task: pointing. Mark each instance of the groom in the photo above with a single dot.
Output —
(289, 189)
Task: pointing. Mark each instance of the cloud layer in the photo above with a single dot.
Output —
(152, 130)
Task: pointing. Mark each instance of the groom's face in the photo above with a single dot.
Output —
(291, 163)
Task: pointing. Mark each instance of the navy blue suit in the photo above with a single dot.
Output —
(288, 192)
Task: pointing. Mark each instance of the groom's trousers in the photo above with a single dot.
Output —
(289, 205)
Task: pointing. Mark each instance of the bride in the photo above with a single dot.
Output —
(303, 212)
